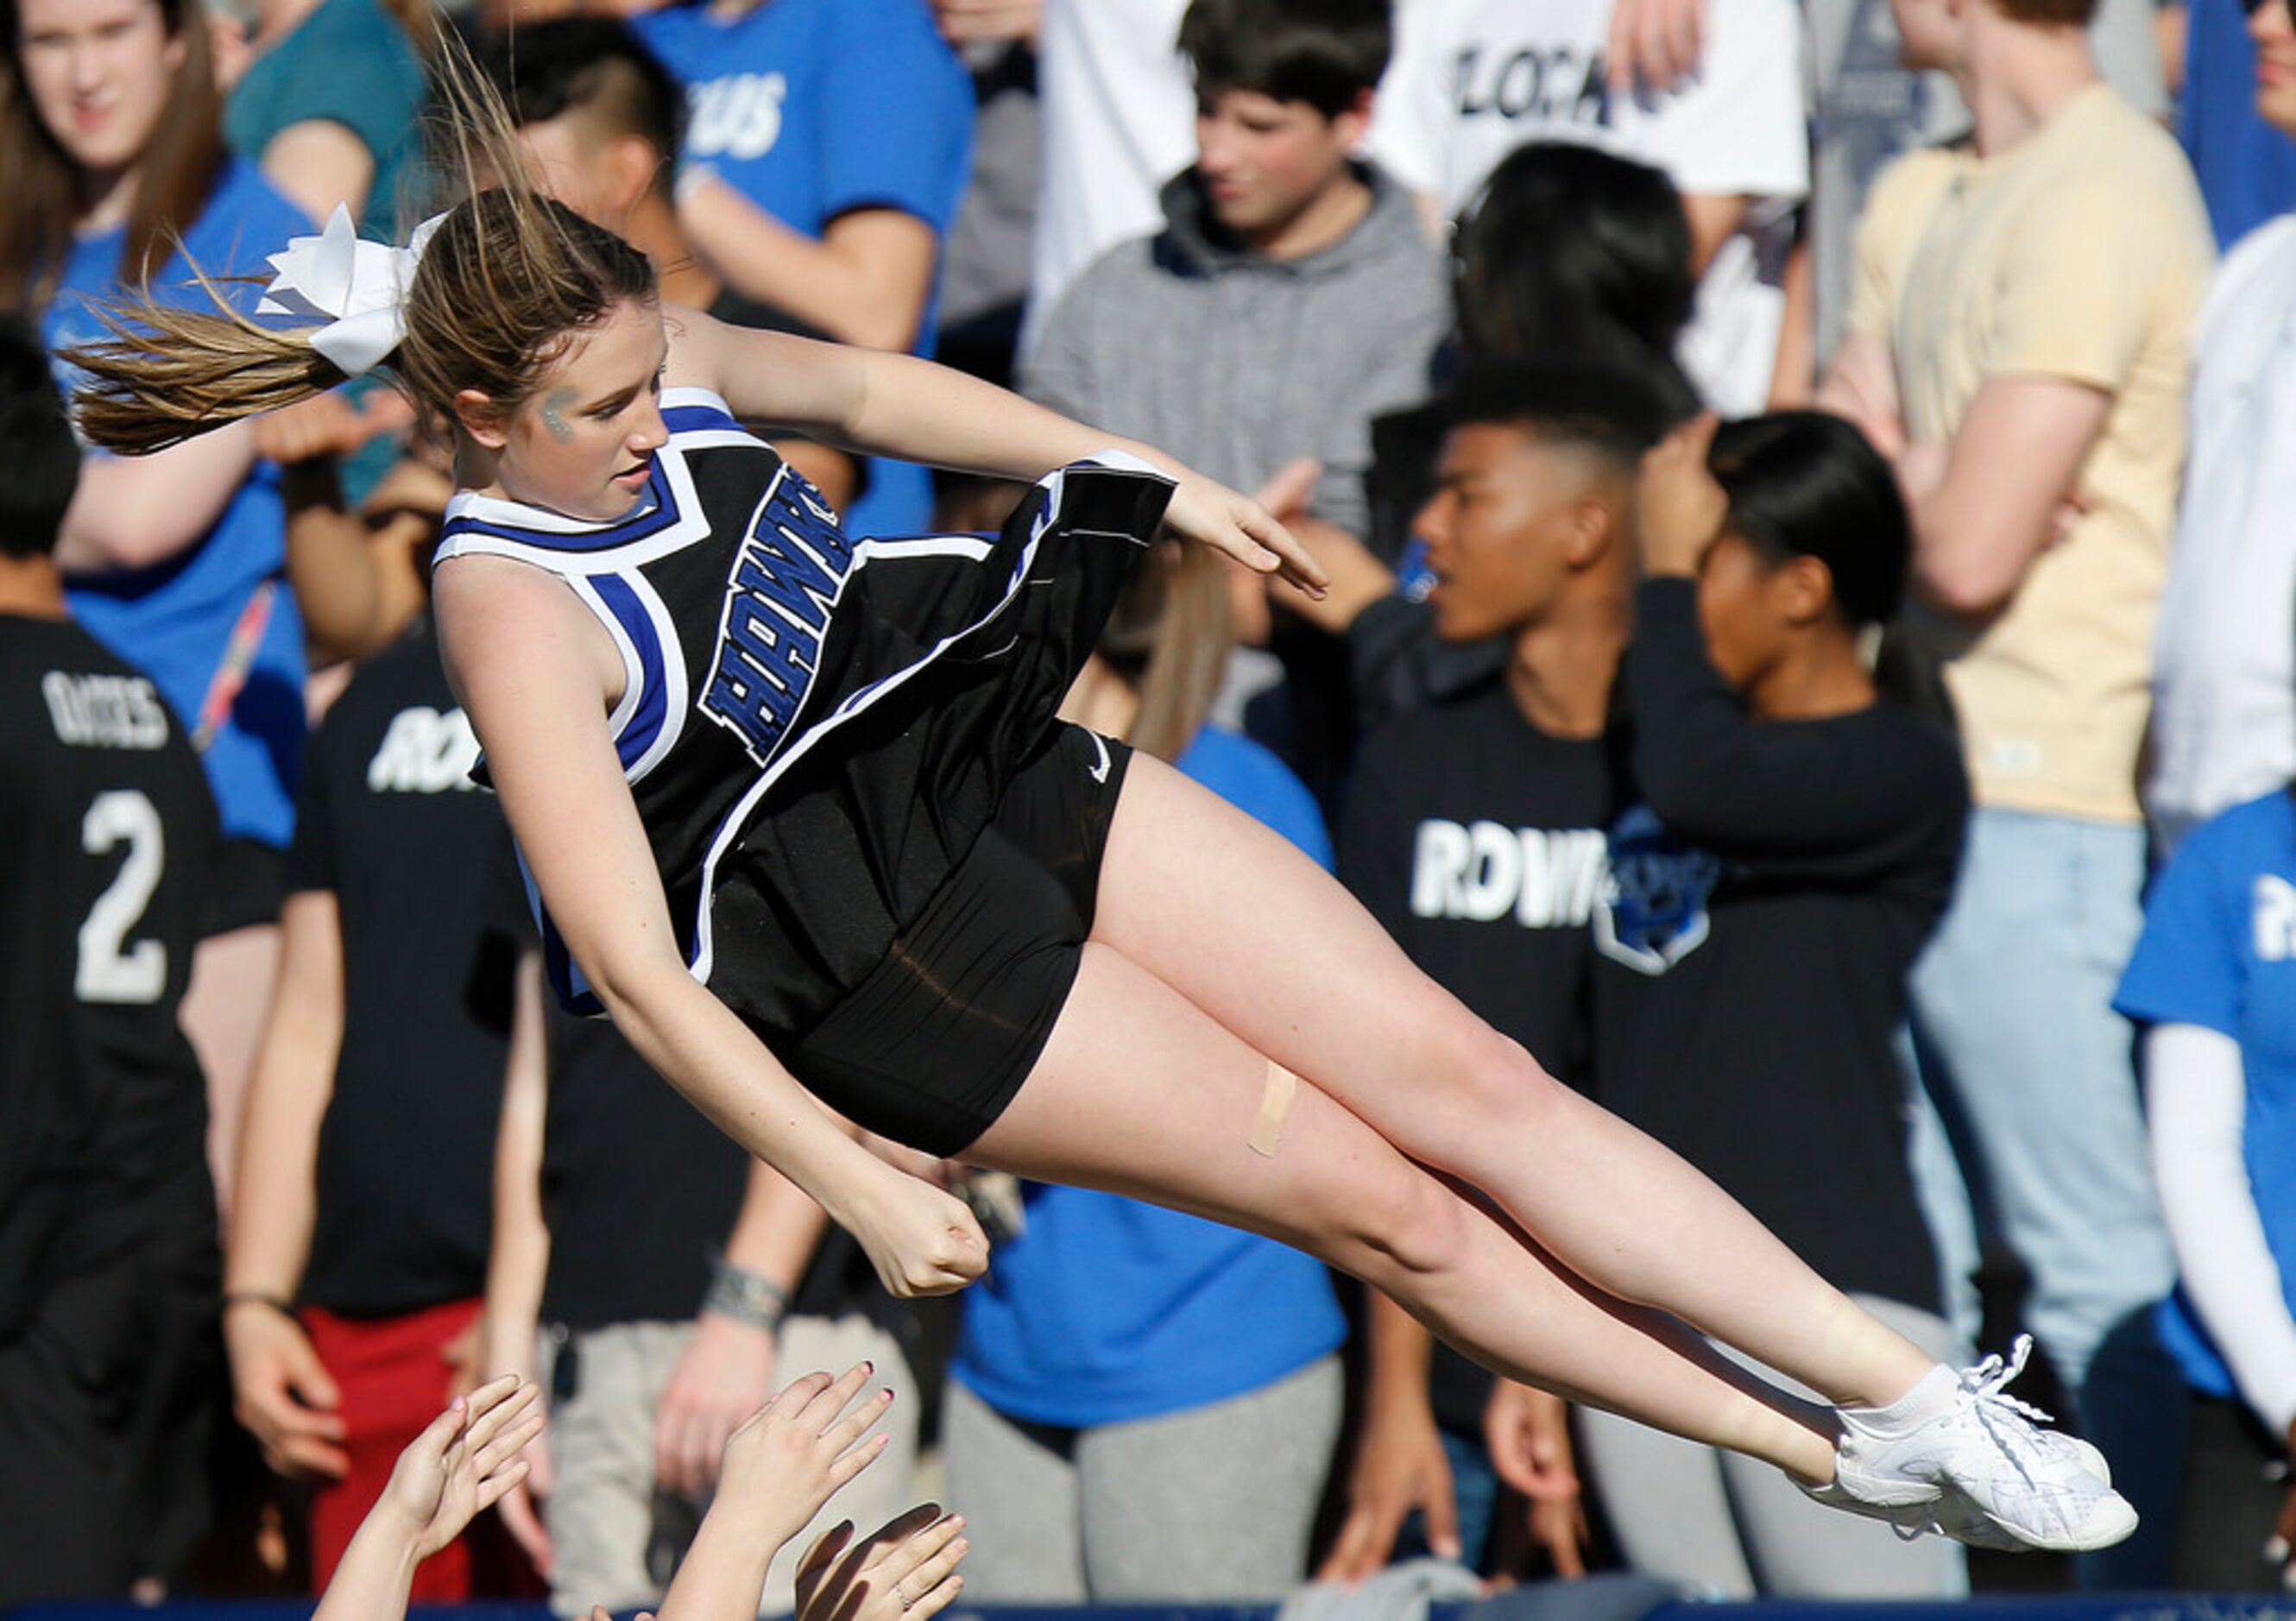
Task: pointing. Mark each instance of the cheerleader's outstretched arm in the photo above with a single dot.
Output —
(897, 406)
(534, 671)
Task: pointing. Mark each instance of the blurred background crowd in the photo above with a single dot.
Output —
(1918, 856)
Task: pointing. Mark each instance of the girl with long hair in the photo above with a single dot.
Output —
(799, 816)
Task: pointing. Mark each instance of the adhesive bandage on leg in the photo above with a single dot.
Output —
(1275, 1109)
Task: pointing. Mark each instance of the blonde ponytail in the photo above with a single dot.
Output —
(166, 375)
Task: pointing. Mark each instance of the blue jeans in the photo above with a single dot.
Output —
(2036, 1076)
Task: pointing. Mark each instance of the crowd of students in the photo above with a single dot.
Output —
(1791, 784)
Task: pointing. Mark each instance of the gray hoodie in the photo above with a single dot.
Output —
(1238, 363)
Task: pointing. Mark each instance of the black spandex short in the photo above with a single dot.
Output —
(931, 1045)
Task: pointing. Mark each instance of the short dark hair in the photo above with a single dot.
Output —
(1325, 53)
(1807, 484)
(36, 442)
(594, 64)
(1615, 411)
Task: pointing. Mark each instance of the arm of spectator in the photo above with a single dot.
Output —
(904, 1570)
(1529, 1433)
(964, 22)
(2196, 1098)
(1987, 505)
(133, 511)
(518, 1257)
(354, 577)
(1357, 578)
(460, 1465)
(779, 1468)
(727, 1370)
(280, 1392)
(866, 282)
(1653, 43)
(1861, 384)
(1399, 1462)
(1713, 773)
(1714, 219)
(320, 166)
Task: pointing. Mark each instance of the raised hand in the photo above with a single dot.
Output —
(904, 1568)
(783, 1464)
(1679, 508)
(463, 1463)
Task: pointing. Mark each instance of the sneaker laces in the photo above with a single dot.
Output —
(2007, 1421)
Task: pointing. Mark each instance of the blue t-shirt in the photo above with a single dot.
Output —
(175, 620)
(1105, 1310)
(346, 63)
(2247, 169)
(2220, 951)
(813, 109)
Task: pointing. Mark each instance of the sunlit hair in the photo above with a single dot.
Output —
(508, 281)
(39, 183)
(1807, 484)
(1168, 640)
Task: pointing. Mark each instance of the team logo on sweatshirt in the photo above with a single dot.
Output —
(1653, 912)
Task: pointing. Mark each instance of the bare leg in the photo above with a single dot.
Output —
(1141, 1093)
(1252, 932)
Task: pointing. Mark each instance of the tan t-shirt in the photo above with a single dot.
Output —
(2084, 253)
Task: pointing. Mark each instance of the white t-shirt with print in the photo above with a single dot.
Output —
(1116, 107)
(1473, 80)
(2223, 678)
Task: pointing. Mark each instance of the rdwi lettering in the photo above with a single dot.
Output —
(1547, 877)
(785, 577)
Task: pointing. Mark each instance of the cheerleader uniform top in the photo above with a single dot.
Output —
(816, 729)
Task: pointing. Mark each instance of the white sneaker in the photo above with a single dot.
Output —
(1982, 1472)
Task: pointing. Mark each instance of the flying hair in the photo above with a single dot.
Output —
(508, 279)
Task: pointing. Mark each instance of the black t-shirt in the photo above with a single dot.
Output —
(1772, 892)
(389, 821)
(1477, 842)
(638, 1189)
(110, 832)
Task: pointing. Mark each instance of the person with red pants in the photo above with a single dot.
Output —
(356, 1244)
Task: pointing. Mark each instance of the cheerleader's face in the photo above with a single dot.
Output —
(582, 443)
(99, 72)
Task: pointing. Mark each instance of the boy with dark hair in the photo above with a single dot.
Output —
(107, 1213)
(1474, 832)
(1290, 298)
(1329, 57)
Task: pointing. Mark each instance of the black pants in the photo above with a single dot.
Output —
(2235, 1479)
(70, 1508)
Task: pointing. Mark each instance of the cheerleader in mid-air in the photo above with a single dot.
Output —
(799, 816)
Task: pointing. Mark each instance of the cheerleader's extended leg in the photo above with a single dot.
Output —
(1248, 931)
(1139, 1092)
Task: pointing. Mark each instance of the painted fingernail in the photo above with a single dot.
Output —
(2275, 1550)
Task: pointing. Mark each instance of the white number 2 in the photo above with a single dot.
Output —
(110, 970)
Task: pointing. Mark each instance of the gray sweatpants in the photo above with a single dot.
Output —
(1724, 1522)
(1211, 1504)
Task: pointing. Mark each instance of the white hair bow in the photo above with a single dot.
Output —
(358, 288)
